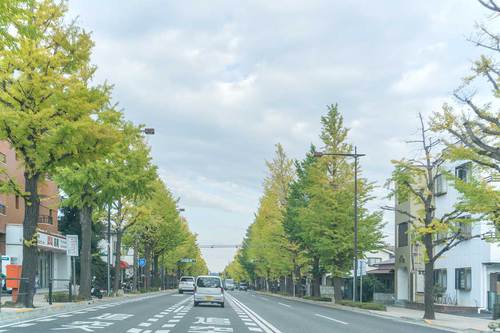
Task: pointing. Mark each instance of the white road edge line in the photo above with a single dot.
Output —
(268, 327)
(288, 306)
(332, 319)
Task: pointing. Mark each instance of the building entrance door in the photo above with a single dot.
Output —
(44, 269)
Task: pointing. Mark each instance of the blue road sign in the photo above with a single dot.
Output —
(142, 262)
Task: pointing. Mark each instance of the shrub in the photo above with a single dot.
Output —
(63, 297)
(366, 306)
(316, 298)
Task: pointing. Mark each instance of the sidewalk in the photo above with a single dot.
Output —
(42, 307)
(448, 321)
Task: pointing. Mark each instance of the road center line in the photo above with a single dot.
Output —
(288, 306)
(332, 319)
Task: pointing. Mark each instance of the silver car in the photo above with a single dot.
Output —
(208, 289)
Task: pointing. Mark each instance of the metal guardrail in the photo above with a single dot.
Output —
(70, 289)
(50, 296)
(1, 288)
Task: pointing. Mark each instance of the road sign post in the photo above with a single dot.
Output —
(72, 251)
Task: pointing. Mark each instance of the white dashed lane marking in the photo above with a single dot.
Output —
(332, 319)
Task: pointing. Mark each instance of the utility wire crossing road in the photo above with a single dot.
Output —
(245, 312)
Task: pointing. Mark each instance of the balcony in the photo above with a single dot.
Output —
(45, 219)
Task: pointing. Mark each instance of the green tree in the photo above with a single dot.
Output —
(47, 106)
(267, 243)
(158, 230)
(475, 131)
(320, 213)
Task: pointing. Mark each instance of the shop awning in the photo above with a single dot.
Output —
(123, 264)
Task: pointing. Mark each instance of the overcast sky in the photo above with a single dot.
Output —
(223, 81)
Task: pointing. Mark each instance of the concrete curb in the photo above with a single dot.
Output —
(374, 313)
(22, 314)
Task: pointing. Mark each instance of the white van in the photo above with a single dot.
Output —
(208, 289)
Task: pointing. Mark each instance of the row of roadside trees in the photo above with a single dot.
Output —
(64, 126)
(304, 223)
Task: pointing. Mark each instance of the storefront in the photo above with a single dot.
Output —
(53, 263)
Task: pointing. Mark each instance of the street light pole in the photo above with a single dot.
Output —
(356, 156)
(109, 249)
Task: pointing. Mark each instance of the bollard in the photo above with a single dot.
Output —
(70, 293)
(50, 292)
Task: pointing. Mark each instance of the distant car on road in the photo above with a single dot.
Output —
(186, 283)
(243, 286)
(229, 283)
(208, 289)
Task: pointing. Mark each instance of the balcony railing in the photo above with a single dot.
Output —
(46, 219)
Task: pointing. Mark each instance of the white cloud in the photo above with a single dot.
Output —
(222, 84)
(416, 80)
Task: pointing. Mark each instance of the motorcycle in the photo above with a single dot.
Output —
(94, 291)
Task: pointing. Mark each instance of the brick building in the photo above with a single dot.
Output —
(52, 260)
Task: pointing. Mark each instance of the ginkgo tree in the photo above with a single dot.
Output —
(48, 106)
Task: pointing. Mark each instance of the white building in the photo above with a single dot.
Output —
(466, 274)
(126, 258)
(53, 263)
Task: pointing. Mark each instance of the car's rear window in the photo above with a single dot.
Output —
(208, 282)
(187, 279)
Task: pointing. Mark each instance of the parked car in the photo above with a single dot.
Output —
(208, 289)
(243, 286)
(229, 283)
(186, 283)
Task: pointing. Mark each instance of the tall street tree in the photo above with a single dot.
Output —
(475, 130)
(47, 105)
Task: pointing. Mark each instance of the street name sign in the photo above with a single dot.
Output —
(72, 245)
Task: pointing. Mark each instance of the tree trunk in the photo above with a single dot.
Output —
(155, 271)
(316, 281)
(116, 281)
(30, 243)
(429, 279)
(135, 266)
(147, 276)
(337, 288)
(85, 255)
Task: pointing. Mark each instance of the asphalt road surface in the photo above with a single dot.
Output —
(245, 312)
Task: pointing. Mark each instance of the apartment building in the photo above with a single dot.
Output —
(467, 275)
(52, 259)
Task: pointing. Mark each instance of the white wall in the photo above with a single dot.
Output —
(474, 253)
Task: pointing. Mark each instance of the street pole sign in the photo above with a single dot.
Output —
(72, 245)
(186, 260)
(141, 262)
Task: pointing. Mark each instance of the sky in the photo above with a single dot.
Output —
(223, 81)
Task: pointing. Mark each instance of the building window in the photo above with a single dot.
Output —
(440, 278)
(463, 278)
(465, 229)
(462, 172)
(372, 261)
(440, 185)
(403, 234)
(17, 202)
(3, 158)
(3, 209)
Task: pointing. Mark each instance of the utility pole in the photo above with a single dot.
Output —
(109, 249)
(356, 156)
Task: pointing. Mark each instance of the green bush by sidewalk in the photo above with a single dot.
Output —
(366, 306)
(315, 298)
(62, 297)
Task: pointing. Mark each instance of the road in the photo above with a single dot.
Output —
(245, 312)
